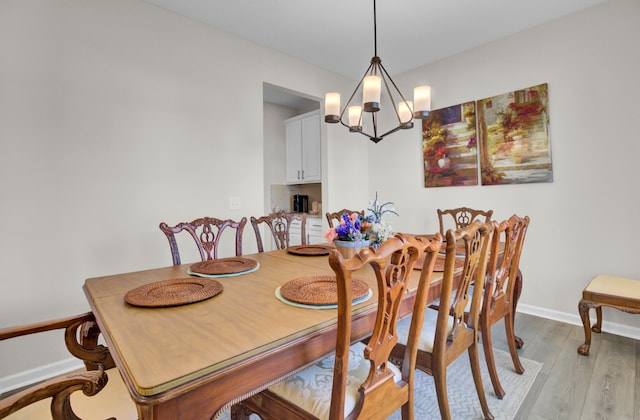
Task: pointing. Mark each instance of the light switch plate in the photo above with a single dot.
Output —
(235, 203)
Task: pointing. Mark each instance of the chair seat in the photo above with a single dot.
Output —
(427, 335)
(310, 389)
(616, 286)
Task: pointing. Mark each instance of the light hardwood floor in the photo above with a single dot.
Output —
(603, 385)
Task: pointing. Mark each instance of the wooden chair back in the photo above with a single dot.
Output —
(503, 267)
(206, 233)
(392, 264)
(499, 291)
(462, 217)
(279, 225)
(337, 216)
(455, 331)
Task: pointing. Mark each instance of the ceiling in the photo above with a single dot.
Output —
(337, 35)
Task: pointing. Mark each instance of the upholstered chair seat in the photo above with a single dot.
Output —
(428, 333)
(310, 389)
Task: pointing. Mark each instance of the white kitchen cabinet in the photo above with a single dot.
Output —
(314, 231)
(303, 148)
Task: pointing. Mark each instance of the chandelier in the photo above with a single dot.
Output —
(371, 82)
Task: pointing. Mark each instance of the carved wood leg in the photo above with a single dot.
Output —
(440, 381)
(517, 290)
(597, 327)
(511, 342)
(477, 379)
(488, 354)
(239, 411)
(583, 309)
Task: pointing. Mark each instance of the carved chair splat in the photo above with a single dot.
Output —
(206, 233)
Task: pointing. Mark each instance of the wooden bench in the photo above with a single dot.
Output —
(606, 290)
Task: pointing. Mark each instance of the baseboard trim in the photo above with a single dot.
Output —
(42, 373)
(574, 319)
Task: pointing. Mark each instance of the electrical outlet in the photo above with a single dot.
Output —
(235, 203)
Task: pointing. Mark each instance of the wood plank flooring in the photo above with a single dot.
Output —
(603, 385)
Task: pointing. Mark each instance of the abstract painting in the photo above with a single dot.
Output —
(449, 146)
(513, 137)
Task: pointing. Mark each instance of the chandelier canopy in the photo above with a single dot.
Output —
(371, 82)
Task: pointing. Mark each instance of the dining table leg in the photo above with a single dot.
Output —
(517, 290)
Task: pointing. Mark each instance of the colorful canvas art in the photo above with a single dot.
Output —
(449, 146)
(513, 135)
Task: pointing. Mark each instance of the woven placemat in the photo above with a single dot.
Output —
(310, 250)
(459, 263)
(173, 292)
(319, 290)
(223, 266)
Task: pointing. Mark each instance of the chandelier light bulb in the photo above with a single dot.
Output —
(422, 100)
(332, 107)
(371, 93)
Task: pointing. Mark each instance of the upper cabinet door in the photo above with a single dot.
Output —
(311, 162)
(294, 151)
(303, 148)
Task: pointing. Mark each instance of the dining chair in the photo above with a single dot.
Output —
(206, 232)
(446, 332)
(331, 217)
(80, 336)
(462, 216)
(279, 225)
(358, 381)
(497, 302)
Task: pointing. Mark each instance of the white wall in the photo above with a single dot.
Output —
(114, 116)
(585, 222)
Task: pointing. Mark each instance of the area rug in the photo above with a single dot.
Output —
(463, 399)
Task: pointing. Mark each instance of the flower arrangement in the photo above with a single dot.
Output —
(355, 227)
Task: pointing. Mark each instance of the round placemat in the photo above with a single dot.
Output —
(230, 265)
(319, 290)
(173, 292)
(310, 249)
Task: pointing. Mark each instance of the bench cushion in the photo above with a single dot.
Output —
(615, 286)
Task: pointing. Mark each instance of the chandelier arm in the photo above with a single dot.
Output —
(346, 106)
(393, 130)
(393, 103)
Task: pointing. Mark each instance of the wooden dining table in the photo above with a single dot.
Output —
(194, 361)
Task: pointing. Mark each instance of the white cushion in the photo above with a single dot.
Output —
(613, 285)
(310, 389)
(427, 335)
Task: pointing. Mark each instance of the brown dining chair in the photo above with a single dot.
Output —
(80, 336)
(279, 225)
(358, 381)
(206, 232)
(332, 217)
(462, 216)
(497, 302)
(445, 333)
